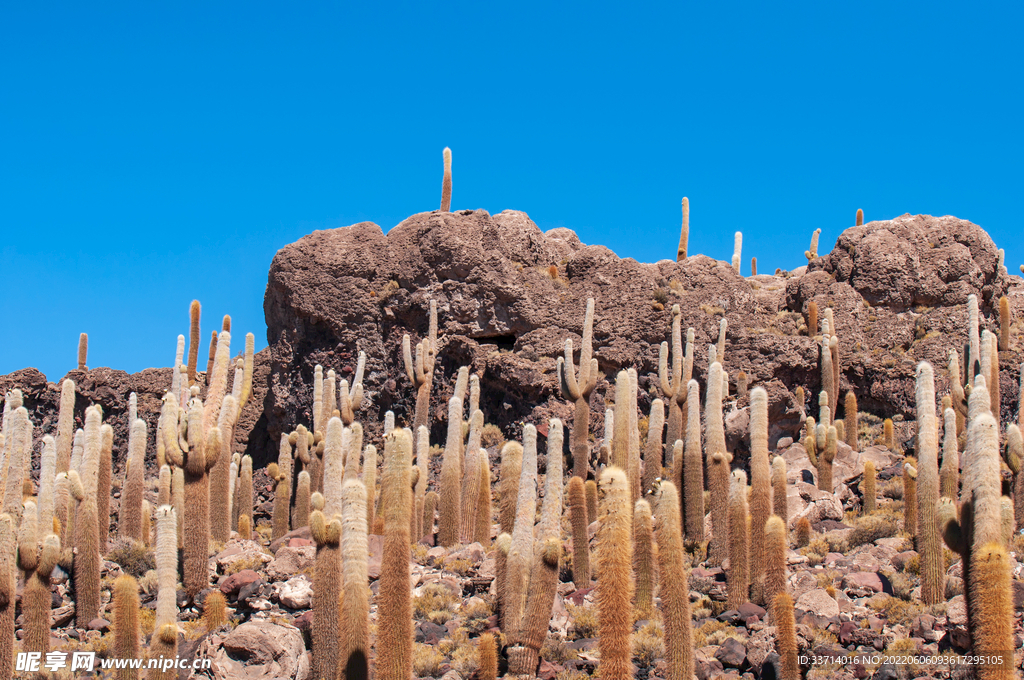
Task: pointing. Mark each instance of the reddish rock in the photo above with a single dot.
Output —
(232, 584)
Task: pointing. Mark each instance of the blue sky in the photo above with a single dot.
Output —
(154, 153)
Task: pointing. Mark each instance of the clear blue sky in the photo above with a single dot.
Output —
(152, 153)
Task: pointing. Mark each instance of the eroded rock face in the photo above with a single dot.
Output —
(509, 295)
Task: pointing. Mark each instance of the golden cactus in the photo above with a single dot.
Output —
(327, 582)
(451, 478)
(860, 217)
(928, 542)
(127, 630)
(776, 547)
(868, 491)
(653, 451)
(739, 541)
(803, 532)
(83, 351)
(580, 539)
(484, 511)
(851, 421)
(692, 479)
(355, 608)
(302, 493)
(615, 585)
(780, 502)
(675, 598)
(760, 486)
(520, 556)
(194, 312)
(785, 636)
(910, 495)
(1004, 323)
(394, 613)
(131, 503)
(446, 181)
(643, 560)
(488, 653)
(579, 389)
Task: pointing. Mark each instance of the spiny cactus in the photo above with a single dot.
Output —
(654, 447)
(578, 390)
(888, 435)
(484, 512)
(47, 474)
(928, 542)
(785, 637)
(471, 479)
(753, 266)
(591, 488)
(723, 326)
(634, 434)
(973, 359)
(334, 469)
(147, 523)
(195, 462)
(1014, 454)
(327, 583)
(213, 354)
(520, 555)
(421, 370)
(37, 556)
(850, 420)
(739, 541)
(220, 473)
(300, 516)
(355, 608)
(370, 482)
(65, 425)
(127, 629)
(737, 250)
(394, 615)
(430, 502)
(675, 598)
(643, 560)
(860, 217)
(868, 491)
(244, 499)
(780, 502)
(802, 532)
(281, 474)
(446, 181)
(615, 585)
(131, 502)
(910, 495)
(215, 610)
(8, 596)
(244, 527)
(580, 539)
(684, 234)
(693, 468)
(994, 614)
(164, 642)
(451, 478)
(318, 399)
(543, 583)
(422, 453)
(194, 311)
(741, 384)
(87, 557)
(83, 351)
(761, 486)
(673, 382)
(488, 654)
(812, 252)
(776, 547)
(825, 459)
(1004, 324)
(103, 485)
(949, 473)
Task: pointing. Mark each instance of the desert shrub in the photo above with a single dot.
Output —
(426, 661)
(555, 650)
(133, 556)
(584, 620)
(491, 436)
(869, 529)
(648, 644)
(434, 602)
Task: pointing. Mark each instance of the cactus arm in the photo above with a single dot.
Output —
(663, 376)
(949, 524)
(1013, 451)
(213, 448)
(410, 371)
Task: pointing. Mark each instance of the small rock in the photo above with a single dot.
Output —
(748, 609)
(296, 593)
(232, 584)
(885, 672)
(731, 653)
(300, 543)
(301, 532)
(290, 561)
(818, 602)
(863, 580)
(102, 625)
(430, 633)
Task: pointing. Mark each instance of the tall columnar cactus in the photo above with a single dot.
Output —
(827, 381)
(737, 251)
(334, 469)
(693, 468)
(451, 478)
(868, 490)
(87, 558)
(993, 624)
(300, 516)
(776, 548)
(220, 474)
(785, 637)
(421, 370)
(888, 435)
(394, 615)
(973, 360)
(615, 585)
(355, 608)
(1015, 460)
(244, 500)
(780, 502)
(580, 539)
(653, 448)
(993, 381)
(761, 487)
(621, 431)
(739, 541)
(1004, 323)
(723, 326)
(281, 475)
(318, 399)
(684, 234)
(673, 382)
(643, 560)
(742, 381)
(351, 398)
(327, 584)
(591, 488)
(851, 420)
(484, 511)
(195, 463)
(825, 459)
(127, 629)
(471, 479)
(65, 425)
(83, 351)
(910, 495)
(8, 594)
(949, 473)
(131, 503)
(520, 555)
(928, 542)
(147, 523)
(446, 181)
(103, 485)
(860, 217)
(578, 389)
(487, 650)
(634, 434)
(718, 468)
(430, 503)
(164, 642)
(37, 556)
(213, 354)
(47, 474)
(956, 391)
(543, 579)
(675, 600)
(370, 482)
(194, 311)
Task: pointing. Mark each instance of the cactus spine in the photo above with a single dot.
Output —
(643, 560)
(580, 538)
(394, 615)
(451, 478)
(775, 550)
(739, 541)
(520, 555)
(131, 504)
(868, 491)
(693, 468)
(785, 636)
(949, 473)
(355, 609)
(579, 389)
(524, 658)
(615, 585)
(654, 447)
(675, 597)
(327, 582)
(684, 234)
(780, 502)
(761, 486)
(127, 630)
(928, 542)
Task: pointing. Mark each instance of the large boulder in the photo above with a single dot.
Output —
(261, 649)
